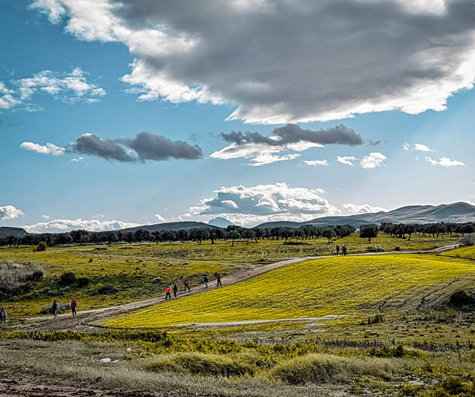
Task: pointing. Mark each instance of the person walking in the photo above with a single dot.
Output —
(74, 304)
(218, 281)
(168, 292)
(54, 308)
(187, 285)
(206, 280)
(175, 290)
(343, 249)
(337, 249)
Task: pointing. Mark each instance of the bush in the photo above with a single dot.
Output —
(200, 364)
(41, 247)
(325, 368)
(453, 386)
(83, 282)
(68, 278)
(296, 243)
(461, 298)
(107, 290)
(37, 275)
(375, 248)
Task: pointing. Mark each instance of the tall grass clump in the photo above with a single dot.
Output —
(326, 368)
(14, 276)
(200, 364)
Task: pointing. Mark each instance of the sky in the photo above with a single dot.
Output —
(115, 113)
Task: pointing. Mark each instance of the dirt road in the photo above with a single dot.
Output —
(85, 320)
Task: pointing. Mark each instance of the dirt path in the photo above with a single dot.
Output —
(85, 319)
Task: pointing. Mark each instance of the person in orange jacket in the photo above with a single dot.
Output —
(169, 292)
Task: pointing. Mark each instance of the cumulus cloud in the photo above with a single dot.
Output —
(373, 160)
(422, 148)
(159, 218)
(45, 216)
(271, 60)
(261, 148)
(346, 160)
(316, 163)
(406, 146)
(48, 149)
(10, 212)
(65, 225)
(143, 147)
(354, 209)
(256, 204)
(68, 87)
(445, 162)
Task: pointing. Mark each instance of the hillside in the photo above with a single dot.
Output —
(12, 231)
(171, 226)
(220, 222)
(456, 212)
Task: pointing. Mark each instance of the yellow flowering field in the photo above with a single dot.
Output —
(462, 252)
(348, 286)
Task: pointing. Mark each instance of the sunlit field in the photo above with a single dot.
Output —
(352, 287)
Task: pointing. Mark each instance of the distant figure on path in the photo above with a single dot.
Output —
(337, 249)
(54, 308)
(3, 315)
(169, 292)
(218, 281)
(206, 280)
(187, 285)
(74, 304)
(343, 249)
(175, 290)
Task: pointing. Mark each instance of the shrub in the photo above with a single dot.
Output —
(295, 243)
(67, 278)
(461, 298)
(37, 275)
(41, 247)
(200, 364)
(14, 278)
(410, 390)
(325, 368)
(83, 282)
(453, 386)
(375, 248)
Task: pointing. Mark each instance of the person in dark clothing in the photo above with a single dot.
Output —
(343, 249)
(3, 315)
(175, 290)
(337, 249)
(206, 280)
(168, 292)
(54, 308)
(218, 281)
(187, 285)
(74, 304)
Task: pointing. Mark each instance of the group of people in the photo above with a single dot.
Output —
(186, 283)
(73, 305)
(343, 250)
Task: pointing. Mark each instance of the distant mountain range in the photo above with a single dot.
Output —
(456, 213)
(220, 222)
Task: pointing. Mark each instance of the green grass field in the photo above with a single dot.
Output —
(353, 287)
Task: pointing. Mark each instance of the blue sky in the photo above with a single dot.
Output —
(52, 192)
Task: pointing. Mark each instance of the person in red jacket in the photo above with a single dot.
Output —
(169, 292)
(74, 304)
(187, 285)
(218, 280)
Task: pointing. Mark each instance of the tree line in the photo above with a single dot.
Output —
(231, 233)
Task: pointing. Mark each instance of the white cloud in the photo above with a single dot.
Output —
(346, 160)
(268, 158)
(10, 212)
(406, 146)
(159, 218)
(352, 209)
(316, 162)
(422, 148)
(65, 225)
(257, 204)
(68, 87)
(422, 53)
(444, 162)
(373, 160)
(79, 159)
(45, 216)
(48, 149)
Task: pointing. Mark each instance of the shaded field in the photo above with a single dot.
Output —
(351, 287)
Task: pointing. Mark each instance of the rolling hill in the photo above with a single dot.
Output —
(12, 231)
(171, 226)
(456, 212)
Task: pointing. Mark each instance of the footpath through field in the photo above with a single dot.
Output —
(85, 319)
